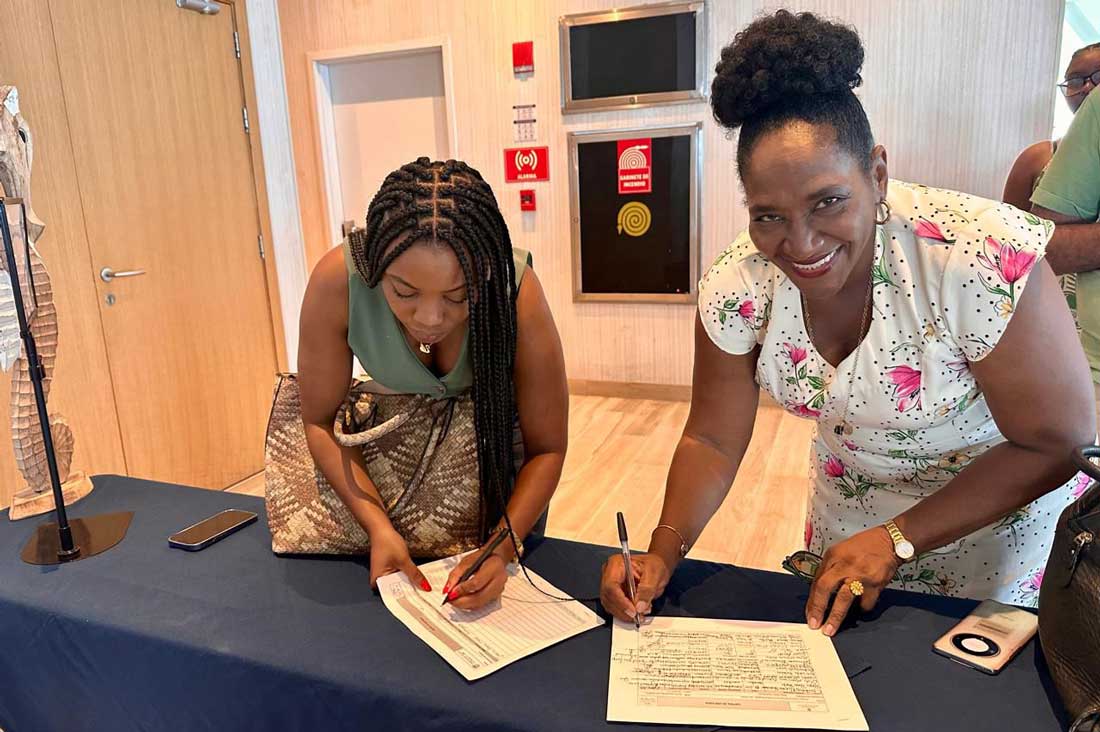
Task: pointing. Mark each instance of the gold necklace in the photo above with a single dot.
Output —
(843, 428)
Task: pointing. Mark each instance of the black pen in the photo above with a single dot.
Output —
(629, 570)
(489, 548)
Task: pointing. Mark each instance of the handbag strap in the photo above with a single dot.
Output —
(1082, 456)
(340, 429)
(1090, 500)
(1088, 721)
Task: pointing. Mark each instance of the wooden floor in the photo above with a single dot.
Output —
(619, 452)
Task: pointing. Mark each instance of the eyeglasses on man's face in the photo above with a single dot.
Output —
(1076, 85)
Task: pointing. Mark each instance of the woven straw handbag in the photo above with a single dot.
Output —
(420, 453)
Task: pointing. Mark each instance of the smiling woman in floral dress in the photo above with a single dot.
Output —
(920, 328)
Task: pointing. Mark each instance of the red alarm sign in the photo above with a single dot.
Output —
(526, 164)
(635, 166)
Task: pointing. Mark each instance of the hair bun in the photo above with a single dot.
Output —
(781, 55)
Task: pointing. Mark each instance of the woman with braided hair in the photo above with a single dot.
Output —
(433, 299)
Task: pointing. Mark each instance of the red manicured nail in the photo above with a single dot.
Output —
(425, 586)
(452, 595)
(447, 588)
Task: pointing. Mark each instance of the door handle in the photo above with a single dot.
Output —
(107, 274)
(203, 7)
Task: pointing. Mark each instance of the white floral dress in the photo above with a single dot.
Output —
(949, 269)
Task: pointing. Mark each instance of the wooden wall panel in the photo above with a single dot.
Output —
(82, 388)
(954, 89)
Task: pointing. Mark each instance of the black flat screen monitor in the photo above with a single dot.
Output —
(632, 58)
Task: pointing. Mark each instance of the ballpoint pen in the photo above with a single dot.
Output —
(629, 570)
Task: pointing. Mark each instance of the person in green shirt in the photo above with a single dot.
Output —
(1030, 165)
(432, 298)
(1069, 195)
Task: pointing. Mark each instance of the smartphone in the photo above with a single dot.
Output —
(988, 638)
(208, 531)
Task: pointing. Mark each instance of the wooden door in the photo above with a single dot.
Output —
(154, 99)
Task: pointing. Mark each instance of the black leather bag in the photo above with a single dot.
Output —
(1069, 603)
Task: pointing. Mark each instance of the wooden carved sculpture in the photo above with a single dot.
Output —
(36, 497)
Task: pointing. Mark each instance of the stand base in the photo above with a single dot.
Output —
(29, 503)
(92, 535)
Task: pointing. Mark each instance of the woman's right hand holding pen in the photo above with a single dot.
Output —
(651, 575)
(484, 585)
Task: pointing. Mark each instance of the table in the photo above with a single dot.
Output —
(144, 637)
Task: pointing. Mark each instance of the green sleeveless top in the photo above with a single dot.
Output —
(376, 339)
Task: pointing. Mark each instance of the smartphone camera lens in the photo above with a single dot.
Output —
(975, 645)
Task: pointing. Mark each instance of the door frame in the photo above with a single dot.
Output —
(239, 9)
(324, 122)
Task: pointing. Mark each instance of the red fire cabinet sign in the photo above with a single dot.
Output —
(635, 166)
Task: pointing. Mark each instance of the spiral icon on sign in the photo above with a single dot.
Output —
(633, 158)
(526, 159)
(634, 218)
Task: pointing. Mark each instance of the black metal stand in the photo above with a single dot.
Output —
(53, 543)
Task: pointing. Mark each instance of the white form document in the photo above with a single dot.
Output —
(731, 673)
(479, 642)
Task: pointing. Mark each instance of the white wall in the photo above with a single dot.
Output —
(371, 98)
(954, 89)
(288, 246)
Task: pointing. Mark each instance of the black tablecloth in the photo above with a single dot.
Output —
(145, 637)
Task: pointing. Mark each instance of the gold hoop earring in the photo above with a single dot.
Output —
(885, 216)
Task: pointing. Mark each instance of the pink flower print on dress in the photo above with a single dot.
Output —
(1009, 262)
(1080, 485)
(747, 311)
(1032, 584)
(797, 355)
(834, 468)
(929, 230)
(959, 366)
(803, 410)
(906, 386)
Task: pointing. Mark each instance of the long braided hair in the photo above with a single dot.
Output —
(450, 204)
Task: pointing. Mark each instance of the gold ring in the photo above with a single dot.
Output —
(856, 587)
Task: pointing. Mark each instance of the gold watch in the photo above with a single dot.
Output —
(903, 548)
